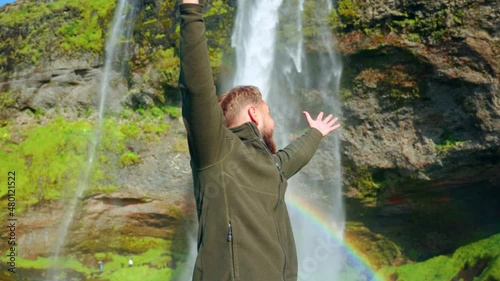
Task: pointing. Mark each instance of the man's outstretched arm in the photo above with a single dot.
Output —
(299, 152)
(202, 114)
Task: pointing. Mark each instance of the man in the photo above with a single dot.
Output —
(239, 178)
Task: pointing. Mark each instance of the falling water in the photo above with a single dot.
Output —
(120, 32)
(254, 41)
(270, 39)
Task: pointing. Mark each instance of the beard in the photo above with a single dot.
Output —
(267, 136)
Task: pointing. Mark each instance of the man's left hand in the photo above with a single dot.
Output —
(325, 126)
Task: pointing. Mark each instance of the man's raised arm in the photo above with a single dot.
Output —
(298, 153)
(202, 114)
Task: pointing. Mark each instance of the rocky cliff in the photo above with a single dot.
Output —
(420, 93)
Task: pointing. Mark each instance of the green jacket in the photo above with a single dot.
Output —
(244, 229)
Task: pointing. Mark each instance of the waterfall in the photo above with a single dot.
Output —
(115, 55)
(254, 41)
(270, 39)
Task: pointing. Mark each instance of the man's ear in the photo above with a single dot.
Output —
(253, 114)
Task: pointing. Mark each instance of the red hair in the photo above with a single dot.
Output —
(236, 99)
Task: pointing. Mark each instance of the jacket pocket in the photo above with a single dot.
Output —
(232, 250)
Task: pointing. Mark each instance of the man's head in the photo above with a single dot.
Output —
(245, 104)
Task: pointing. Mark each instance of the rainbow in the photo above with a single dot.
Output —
(322, 223)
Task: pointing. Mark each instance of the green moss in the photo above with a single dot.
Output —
(181, 146)
(217, 8)
(166, 62)
(116, 265)
(157, 112)
(363, 182)
(153, 263)
(111, 138)
(417, 25)
(447, 145)
(375, 248)
(138, 272)
(414, 37)
(4, 134)
(7, 102)
(482, 256)
(402, 94)
(345, 94)
(129, 158)
(153, 128)
(345, 15)
(67, 28)
(397, 86)
(174, 112)
(141, 111)
(47, 161)
(7, 99)
(50, 32)
(136, 245)
(63, 263)
(174, 212)
(103, 189)
(130, 130)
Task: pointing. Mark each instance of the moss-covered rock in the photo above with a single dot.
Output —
(478, 261)
(378, 250)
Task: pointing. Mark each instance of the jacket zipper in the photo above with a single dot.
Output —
(229, 232)
(230, 240)
(270, 154)
(282, 175)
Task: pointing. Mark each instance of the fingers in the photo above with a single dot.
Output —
(308, 116)
(325, 126)
(328, 118)
(320, 116)
(335, 127)
(331, 122)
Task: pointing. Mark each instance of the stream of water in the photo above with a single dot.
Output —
(115, 55)
(270, 38)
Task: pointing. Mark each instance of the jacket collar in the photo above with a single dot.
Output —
(247, 131)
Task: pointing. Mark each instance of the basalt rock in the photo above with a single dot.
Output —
(422, 121)
(102, 223)
(69, 90)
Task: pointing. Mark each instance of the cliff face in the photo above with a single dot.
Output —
(421, 106)
(421, 129)
(421, 79)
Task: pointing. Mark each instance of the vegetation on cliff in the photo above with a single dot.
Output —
(51, 155)
(478, 261)
(36, 33)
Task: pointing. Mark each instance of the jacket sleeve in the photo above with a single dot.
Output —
(299, 152)
(201, 112)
